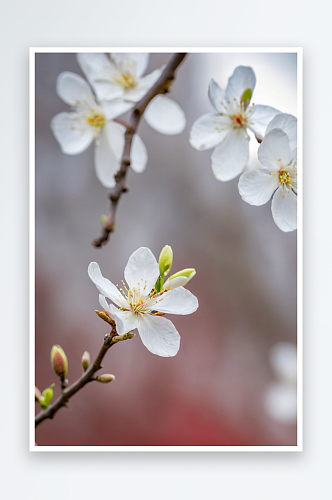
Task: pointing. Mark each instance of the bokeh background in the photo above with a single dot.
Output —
(212, 391)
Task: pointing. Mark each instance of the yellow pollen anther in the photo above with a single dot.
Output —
(284, 178)
(129, 80)
(96, 120)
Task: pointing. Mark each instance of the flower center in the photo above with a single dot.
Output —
(129, 80)
(284, 178)
(96, 120)
(126, 80)
(138, 302)
(239, 120)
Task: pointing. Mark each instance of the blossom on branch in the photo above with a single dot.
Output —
(121, 77)
(140, 306)
(278, 178)
(92, 121)
(227, 130)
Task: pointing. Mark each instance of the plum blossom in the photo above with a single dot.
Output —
(227, 130)
(280, 400)
(90, 121)
(278, 179)
(140, 306)
(122, 76)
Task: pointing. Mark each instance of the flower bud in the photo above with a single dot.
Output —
(85, 361)
(46, 397)
(165, 260)
(246, 97)
(105, 378)
(59, 361)
(187, 273)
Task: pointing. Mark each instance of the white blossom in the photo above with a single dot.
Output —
(280, 400)
(91, 121)
(227, 130)
(137, 303)
(278, 178)
(122, 76)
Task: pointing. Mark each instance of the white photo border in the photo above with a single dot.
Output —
(35, 50)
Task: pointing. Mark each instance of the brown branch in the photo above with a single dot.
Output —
(161, 86)
(110, 339)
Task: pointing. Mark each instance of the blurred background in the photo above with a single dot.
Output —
(212, 392)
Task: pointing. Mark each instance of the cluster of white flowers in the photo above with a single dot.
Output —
(227, 131)
(143, 301)
(118, 83)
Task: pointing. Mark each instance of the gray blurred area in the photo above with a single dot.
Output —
(211, 392)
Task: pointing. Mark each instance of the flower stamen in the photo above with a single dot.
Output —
(96, 120)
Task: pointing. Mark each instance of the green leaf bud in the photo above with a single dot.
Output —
(246, 97)
(46, 397)
(165, 260)
(85, 361)
(187, 273)
(105, 378)
(103, 219)
(59, 361)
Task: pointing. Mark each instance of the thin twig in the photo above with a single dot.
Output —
(161, 86)
(87, 377)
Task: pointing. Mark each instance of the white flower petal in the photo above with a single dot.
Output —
(135, 94)
(138, 155)
(115, 108)
(288, 124)
(72, 88)
(103, 302)
(125, 321)
(257, 186)
(106, 162)
(283, 359)
(284, 209)
(177, 301)
(100, 72)
(231, 156)
(175, 282)
(165, 116)
(216, 96)
(159, 335)
(142, 270)
(108, 307)
(242, 79)
(95, 65)
(136, 62)
(274, 151)
(259, 118)
(105, 286)
(116, 138)
(280, 403)
(209, 130)
(72, 139)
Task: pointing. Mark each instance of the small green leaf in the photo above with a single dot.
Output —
(246, 97)
(46, 397)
